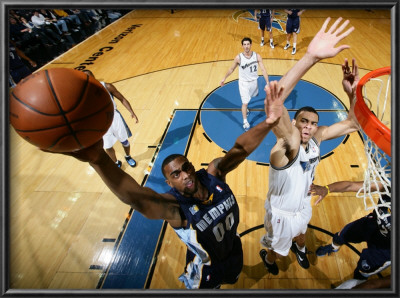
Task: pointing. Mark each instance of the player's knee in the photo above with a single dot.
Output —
(338, 239)
(125, 143)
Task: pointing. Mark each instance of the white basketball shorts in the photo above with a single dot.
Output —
(282, 226)
(248, 90)
(118, 131)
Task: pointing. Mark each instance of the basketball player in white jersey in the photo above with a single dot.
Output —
(119, 130)
(295, 155)
(248, 62)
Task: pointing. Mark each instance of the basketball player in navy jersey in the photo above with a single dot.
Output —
(373, 229)
(292, 27)
(265, 18)
(200, 206)
(296, 154)
(248, 62)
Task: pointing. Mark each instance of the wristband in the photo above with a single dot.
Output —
(327, 187)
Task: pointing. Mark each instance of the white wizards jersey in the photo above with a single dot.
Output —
(289, 186)
(248, 67)
(112, 97)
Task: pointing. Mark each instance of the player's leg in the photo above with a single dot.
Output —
(299, 224)
(262, 29)
(127, 148)
(246, 124)
(354, 232)
(296, 31)
(294, 43)
(289, 31)
(269, 29)
(123, 134)
(299, 248)
(244, 90)
(111, 153)
(275, 238)
(234, 265)
(109, 139)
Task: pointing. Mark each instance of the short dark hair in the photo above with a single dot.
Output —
(306, 109)
(247, 39)
(168, 159)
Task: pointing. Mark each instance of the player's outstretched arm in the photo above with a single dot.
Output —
(350, 124)
(145, 200)
(340, 186)
(322, 46)
(247, 142)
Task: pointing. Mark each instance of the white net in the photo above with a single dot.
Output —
(377, 177)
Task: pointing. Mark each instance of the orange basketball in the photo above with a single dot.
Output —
(61, 110)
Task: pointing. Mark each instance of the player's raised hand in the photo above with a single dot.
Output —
(273, 102)
(350, 77)
(323, 44)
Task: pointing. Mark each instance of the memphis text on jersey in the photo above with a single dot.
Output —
(215, 213)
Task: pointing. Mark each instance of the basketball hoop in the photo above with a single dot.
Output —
(376, 132)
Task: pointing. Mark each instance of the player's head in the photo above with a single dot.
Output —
(87, 71)
(306, 120)
(247, 39)
(246, 44)
(180, 174)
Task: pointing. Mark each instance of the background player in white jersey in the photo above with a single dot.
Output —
(119, 130)
(265, 18)
(248, 62)
(292, 27)
(296, 154)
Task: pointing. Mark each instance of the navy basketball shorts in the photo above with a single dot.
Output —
(293, 25)
(225, 272)
(265, 23)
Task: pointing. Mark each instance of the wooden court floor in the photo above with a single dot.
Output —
(61, 212)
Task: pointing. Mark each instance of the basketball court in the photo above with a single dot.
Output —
(68, 230)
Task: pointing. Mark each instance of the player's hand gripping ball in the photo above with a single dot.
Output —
(61, 110)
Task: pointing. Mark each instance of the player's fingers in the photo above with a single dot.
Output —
(341, 48)
(323, 28)
(334, 26)
(344, 34)
(342, 27)
(318, 200)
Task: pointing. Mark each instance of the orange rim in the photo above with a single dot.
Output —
(378, 132)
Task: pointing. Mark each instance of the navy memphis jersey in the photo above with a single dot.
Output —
(212, 225)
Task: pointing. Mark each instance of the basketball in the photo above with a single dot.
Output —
(61, 110)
